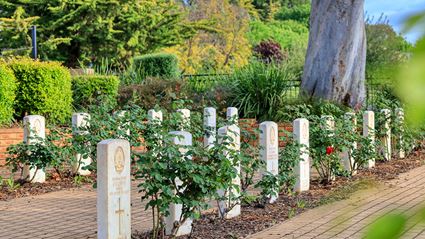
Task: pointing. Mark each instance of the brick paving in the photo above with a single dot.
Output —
(349, 218)
(67, 214)
(72, 213)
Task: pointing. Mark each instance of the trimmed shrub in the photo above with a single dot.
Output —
(160, 65)
(44, 88)
(94, 89)
(7, 94)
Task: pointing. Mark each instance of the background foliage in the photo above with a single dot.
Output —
(84, 32)
(94, 90)
(7, 94)
(157, 65)
(43, 88)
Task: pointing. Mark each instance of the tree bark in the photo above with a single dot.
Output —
(336, 56)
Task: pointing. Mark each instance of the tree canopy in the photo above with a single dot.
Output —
(85, 32)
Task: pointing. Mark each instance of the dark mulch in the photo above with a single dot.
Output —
(255, 218)
(52, 184)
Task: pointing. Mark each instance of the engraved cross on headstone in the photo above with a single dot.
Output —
(120, 213)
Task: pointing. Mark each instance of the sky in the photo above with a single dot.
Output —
(396, 11)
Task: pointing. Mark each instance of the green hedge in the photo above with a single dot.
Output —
(44, 88)
(157, 65)
(94, 89)
(7, 94)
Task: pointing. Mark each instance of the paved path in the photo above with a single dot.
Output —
(349, 218)
(64, 214)
(72, 214)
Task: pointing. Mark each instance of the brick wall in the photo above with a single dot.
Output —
(9, 136)
(251, 125)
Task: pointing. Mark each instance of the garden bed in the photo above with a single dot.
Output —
(53, 184)
(255, 217)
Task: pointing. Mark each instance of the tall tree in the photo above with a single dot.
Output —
(111, 29)
(336, 56)
(223, 44)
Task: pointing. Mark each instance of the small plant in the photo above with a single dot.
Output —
(359, 149)
(249, 158)
(78, 180)
(292, 212)
(200, 172)
(301, 204)
(51, 151)
(11, 184)
(325, 150)
(269, 185)
(289, 157)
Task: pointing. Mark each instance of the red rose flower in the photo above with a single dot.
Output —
(329, 150)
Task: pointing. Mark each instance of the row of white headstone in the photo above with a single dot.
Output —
(35, 130)
(114, 187)
(114, 162)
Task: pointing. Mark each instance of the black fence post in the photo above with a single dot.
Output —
(34, 42)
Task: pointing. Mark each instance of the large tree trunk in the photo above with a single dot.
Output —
(336, 55)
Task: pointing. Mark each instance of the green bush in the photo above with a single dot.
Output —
(157, 65)
(94, 89)
(7, 94)
(289, 34)
(44, 88)
(258, 90)
(299, 13)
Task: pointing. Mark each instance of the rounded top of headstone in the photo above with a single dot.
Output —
(33, 117)
(232, 111)
(121, 142)
(182, 137)
(222, 130)
(300, 120)
(268, 123)
(154, 115)
(121, 113)
(80, 114)
(327, 117)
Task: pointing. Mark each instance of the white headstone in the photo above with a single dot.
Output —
(387, 131)
(210, 125)
(329, 122)
(185, 114)
(113, 189)
(369, 131)
(122, 115)
(34, 126)
(302, 169)
(154, 116)
(269, 149)
(232, 115)
(79, 121)
(185, 139)
(399, 112)
(347, 159)
(231, 133)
